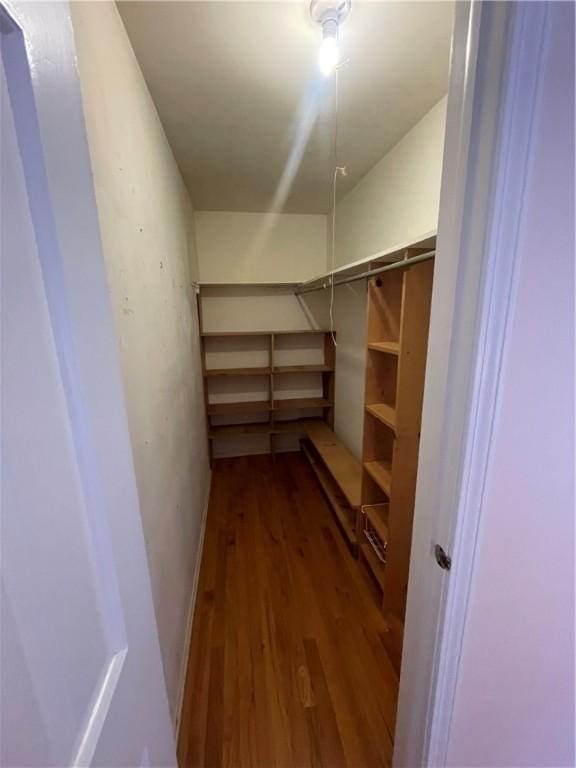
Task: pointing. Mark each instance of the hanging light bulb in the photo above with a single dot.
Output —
(329, 14)
(328, 55)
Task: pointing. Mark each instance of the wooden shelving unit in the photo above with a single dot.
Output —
(339, 475)
(397, 339)
(274, 414)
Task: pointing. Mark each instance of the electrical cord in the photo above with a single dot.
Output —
(338, 170)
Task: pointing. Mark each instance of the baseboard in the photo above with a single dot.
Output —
(190, 622)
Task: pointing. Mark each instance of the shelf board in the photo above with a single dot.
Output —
(212, 372)
(298, 333)
(244, 284)
(289, 427)
(344, 513)
(377, 514)
(344, 468)
(299, 403)
(425, 240)
(230, 430)
(221, 334)
(389, 347)
(381, 473)
(222, 409)
(302, 369)
(263, 333)
(292, 427)
(384, 413)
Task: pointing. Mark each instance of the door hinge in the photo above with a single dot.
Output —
(443, 560)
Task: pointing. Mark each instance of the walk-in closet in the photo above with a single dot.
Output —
(311, 138)
(287, 383)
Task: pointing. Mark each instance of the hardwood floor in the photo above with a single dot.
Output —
(287, 666)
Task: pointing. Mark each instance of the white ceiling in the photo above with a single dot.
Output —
(236, 84)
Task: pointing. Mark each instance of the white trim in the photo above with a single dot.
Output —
(496, 58)
(191, 610)
(524, 53)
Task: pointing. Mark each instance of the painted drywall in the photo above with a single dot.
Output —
(270, 108)
(514, 701)
(146, 221)
(349, 315)
(396, 202)
(259, 247)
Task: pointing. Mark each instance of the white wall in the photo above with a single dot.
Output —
(146, 222)
(515, 694)
(260, 247)
(396, 202)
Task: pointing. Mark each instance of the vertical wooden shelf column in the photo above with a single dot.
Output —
(397, 340)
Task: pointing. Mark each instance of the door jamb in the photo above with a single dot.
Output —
(493, 97)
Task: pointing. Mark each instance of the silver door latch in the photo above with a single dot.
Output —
(443, 560)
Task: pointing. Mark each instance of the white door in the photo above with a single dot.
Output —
(455, 707)
(81, 674)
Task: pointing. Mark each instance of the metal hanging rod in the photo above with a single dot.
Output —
(402, 264)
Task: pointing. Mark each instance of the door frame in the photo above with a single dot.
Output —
(493, 99)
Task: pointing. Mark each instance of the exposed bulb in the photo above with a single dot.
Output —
(328, 56)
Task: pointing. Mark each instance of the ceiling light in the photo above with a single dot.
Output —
(328, 55)
(329, 14)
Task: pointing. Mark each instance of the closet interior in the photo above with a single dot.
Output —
(315, 184)
(277, 384)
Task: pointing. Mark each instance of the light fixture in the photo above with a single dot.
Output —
(329, 14)
(328, 55)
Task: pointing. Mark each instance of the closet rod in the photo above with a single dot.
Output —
(402, 264)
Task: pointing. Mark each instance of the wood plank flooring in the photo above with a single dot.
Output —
(287, 665)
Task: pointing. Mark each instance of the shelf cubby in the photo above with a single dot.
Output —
(381, 474)
(385, 305)
(385, 347)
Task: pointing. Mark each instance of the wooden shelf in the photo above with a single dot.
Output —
(212, 372)
(292, 427)
(389, 347)
(344, 513)
(384, 413)
(302, 369)
(231, 430)
(222, 409)
(381, 473)
(301, 403)
(298, 333)
(267, 352)
(222, 334)
(342, 465)
(207, 334)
